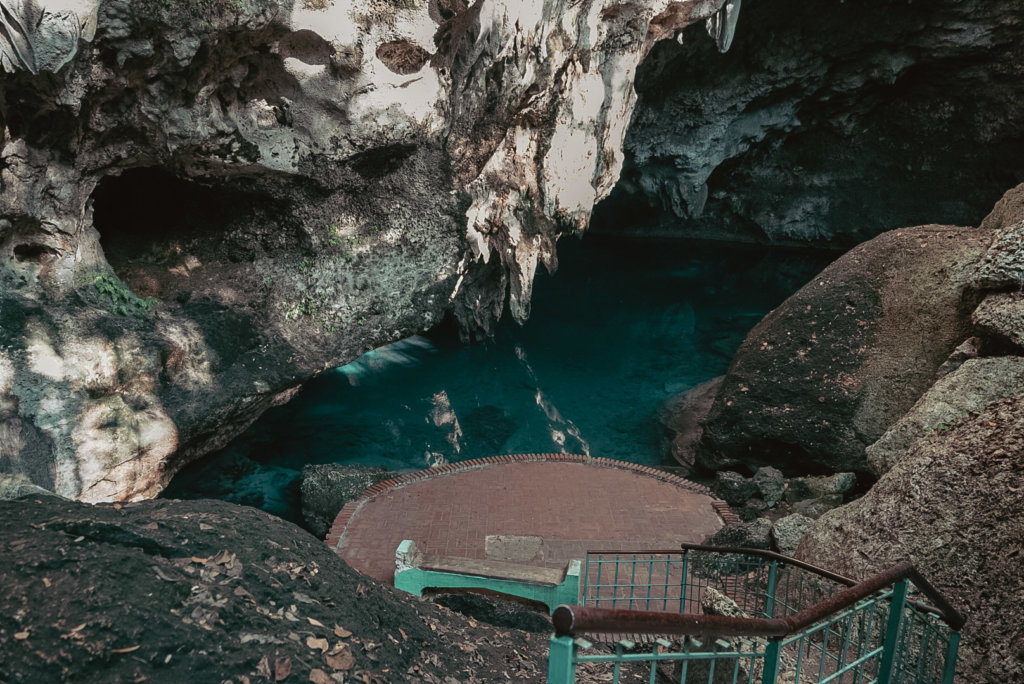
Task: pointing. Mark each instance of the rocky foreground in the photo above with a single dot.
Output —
(171, 591)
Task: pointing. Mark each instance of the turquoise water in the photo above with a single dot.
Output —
(622, 326)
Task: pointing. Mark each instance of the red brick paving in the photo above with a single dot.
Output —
(574, 503)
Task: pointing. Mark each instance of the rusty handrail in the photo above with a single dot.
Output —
(569, 620)
(942, 608)
(771, 555)
(762, 553)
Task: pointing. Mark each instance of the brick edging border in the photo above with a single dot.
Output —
(349, 510)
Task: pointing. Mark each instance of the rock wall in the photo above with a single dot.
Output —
(826, 122)
(826, 373)
(203, 204)
(901, 358)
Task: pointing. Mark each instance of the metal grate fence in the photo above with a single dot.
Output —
(720, 616)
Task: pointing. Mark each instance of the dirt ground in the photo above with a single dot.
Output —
(205, 591)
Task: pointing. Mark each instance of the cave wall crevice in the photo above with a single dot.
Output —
(826, 124)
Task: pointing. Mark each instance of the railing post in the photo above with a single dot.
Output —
(684, 581)
(561, 656)
(769, 598)
(951, 653)
(892, 631)
(771, 661)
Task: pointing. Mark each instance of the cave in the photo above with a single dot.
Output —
(149, 215)
(824, 124)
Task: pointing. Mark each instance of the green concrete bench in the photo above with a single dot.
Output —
(414, 573)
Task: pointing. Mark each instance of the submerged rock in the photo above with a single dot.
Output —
(951, 505)
(682, 417)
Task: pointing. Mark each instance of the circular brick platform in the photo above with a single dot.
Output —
(535, 509)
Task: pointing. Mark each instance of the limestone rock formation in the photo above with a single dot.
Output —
(827, 372)
(203, 204)
(827, 123)
(952, 400)
(952, 505)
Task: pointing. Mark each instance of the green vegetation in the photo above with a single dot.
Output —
(122, 301)
(307, 307)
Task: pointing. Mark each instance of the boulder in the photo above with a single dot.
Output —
(755, 534)
(327, 487)
(953, 399)
(714, 602)
(682, 417)
(801, 488)
(827, 372)
(787, 532)
(733, 488)
(968, 349)
(952, 505)
(770, 483)
(17, 486)
(999, 320)
(818, 506)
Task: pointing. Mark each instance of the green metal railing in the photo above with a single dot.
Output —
(767, 618)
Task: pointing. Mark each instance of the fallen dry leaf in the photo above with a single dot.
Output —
(129, 649)
(405, 637)
(202, 561)
(21, 636)
(340, 661)
(204, 526)
(318, 676)
(263, 669)
(314, 643)
(341, 632)
(316, 623)
(282, 668)
(47, 582)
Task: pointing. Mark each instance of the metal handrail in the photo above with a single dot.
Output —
(570, 620)
(772, 555)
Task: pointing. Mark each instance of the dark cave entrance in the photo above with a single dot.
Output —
(149, 215)
(825, 125)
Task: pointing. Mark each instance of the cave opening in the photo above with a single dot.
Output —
(824, 124)
(149, 215)
(619, 329)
